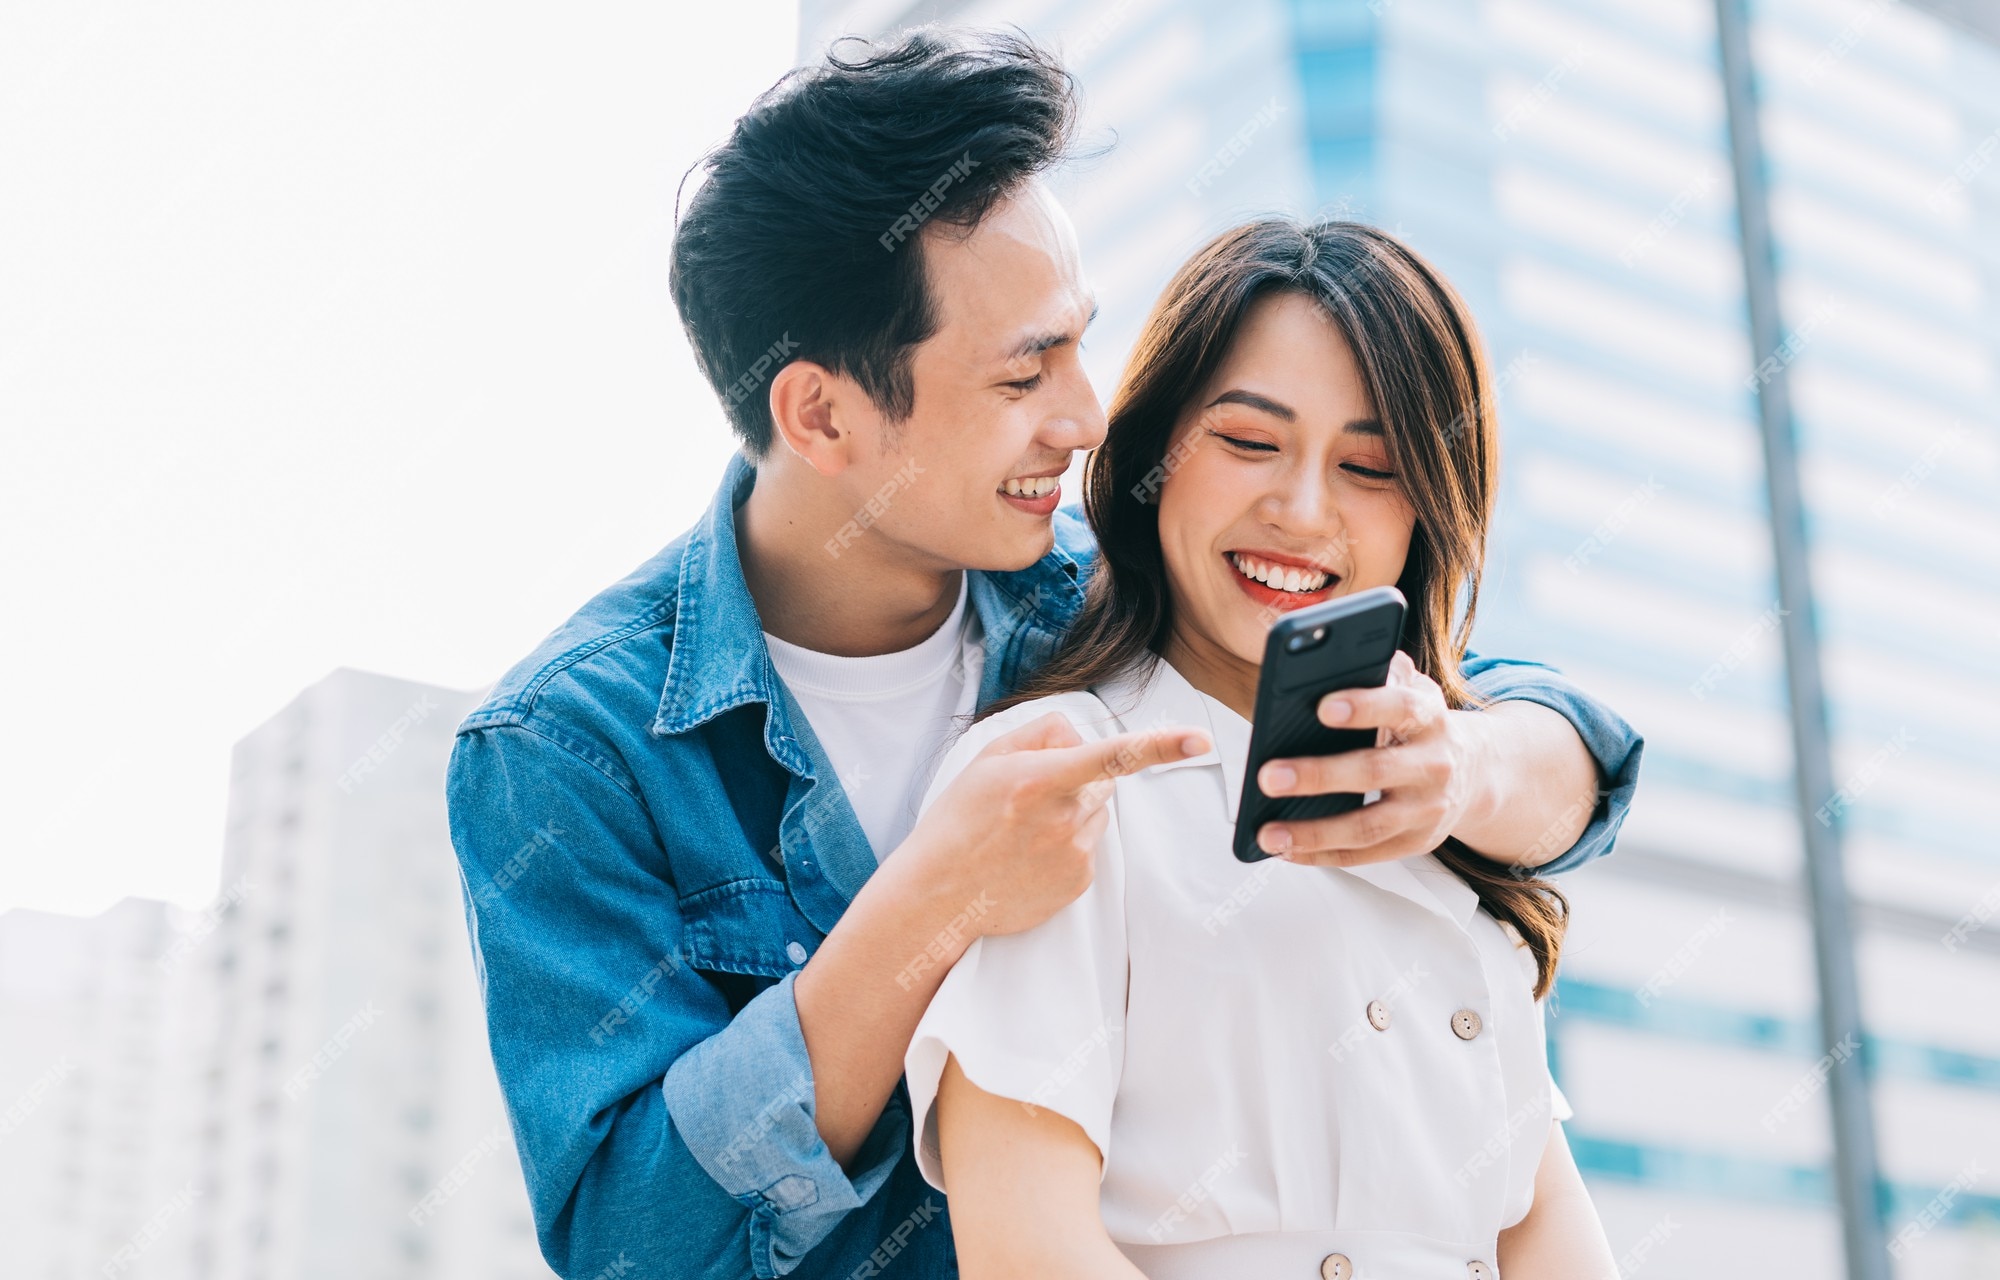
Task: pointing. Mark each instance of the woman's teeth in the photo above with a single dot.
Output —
(1032, 487)
(1281, 577)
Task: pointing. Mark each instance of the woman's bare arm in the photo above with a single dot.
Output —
(1561, 1238)
(1023, 1183)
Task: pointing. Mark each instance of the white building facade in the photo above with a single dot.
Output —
(293, 1084)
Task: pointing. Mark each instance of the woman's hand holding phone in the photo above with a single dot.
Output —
(1424, 764)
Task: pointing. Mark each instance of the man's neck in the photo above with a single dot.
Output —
(862, 602)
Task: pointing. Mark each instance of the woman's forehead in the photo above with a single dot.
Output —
(1287, 354)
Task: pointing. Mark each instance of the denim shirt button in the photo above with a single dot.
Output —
(797, 951)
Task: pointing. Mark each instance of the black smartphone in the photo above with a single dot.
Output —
(1346, 643)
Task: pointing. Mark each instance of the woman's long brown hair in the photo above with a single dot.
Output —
(1419, 353)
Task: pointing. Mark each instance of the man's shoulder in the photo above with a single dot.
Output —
(606, 665)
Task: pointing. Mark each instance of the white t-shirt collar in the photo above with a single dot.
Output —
(880, 675)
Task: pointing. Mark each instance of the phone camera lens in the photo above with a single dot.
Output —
(1305, 640)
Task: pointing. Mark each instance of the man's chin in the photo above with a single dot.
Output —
(1016, 553)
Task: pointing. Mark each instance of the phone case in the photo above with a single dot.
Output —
(1369, 625)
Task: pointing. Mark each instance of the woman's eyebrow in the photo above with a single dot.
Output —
(1265, 404)
(1251, 400)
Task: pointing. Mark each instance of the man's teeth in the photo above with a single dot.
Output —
(1033, 487)
(1282, 577)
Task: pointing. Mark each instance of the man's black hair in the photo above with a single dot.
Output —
(803, 242)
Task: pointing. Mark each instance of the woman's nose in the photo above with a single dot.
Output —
(1303, 508)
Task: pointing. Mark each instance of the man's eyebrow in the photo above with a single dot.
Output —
(1035, 344)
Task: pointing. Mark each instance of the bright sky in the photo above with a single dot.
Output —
(329, 336)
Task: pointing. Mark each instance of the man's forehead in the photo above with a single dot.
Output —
(1015, 279)
(1037, 201)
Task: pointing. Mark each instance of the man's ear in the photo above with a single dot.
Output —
(811, 413)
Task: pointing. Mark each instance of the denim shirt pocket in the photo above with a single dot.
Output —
(748, 927)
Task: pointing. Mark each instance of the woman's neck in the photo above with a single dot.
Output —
(1213, 669)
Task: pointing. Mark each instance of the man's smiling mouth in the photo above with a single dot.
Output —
(1035, 495)
(1031, 486)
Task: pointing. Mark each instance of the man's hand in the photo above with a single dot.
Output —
(1010, 842)
(1016, 832)
(1425, 763)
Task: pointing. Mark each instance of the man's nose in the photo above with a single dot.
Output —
(1076, 422)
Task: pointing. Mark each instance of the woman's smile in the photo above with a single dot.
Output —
(1283, 484)
(1280, 582)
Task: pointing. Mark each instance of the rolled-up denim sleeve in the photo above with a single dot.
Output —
(763, 1147)
(1612, 742)
(660, 1131)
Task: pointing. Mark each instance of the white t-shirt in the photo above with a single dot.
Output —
(885, 721)
(1281, 1065)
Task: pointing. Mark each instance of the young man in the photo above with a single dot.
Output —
(705, 917)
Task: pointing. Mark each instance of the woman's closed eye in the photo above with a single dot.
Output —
(1264, 446)
(1247, 446)
(1025, 385)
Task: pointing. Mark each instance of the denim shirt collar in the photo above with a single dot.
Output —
(719, 661)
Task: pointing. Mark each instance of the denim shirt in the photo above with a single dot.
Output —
(652, 844)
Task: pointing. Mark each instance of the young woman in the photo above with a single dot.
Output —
(1202, 1068)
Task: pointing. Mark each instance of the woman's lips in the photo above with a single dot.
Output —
(1272, 598)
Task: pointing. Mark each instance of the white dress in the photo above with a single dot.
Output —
(1289, 1071)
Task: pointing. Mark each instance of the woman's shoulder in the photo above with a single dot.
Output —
(1080, 707)
(1090, 717)
(1086, 711)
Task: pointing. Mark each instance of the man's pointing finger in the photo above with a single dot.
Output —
(1128, 753)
